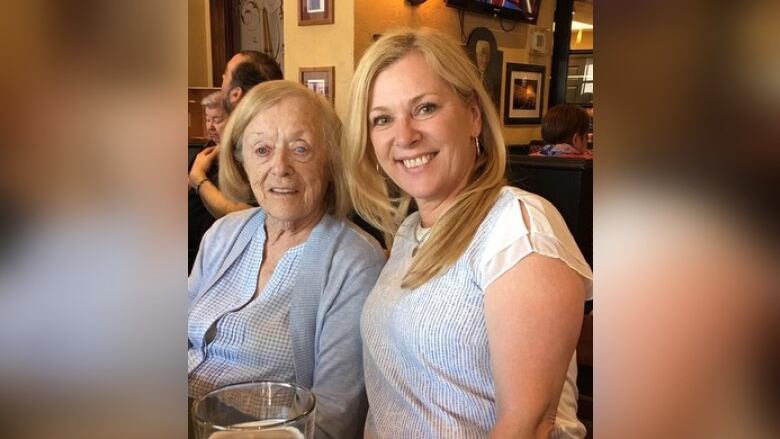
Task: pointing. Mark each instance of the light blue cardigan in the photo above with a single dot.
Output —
(339, 266)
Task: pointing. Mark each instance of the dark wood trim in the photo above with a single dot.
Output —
(560, 55)
(222, 37)
(535, 161)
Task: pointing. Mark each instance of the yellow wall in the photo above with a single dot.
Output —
(585, 44)
(199, 45)
(355, 22)
(322, 46)
(374, 17)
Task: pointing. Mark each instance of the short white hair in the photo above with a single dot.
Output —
(214, 100)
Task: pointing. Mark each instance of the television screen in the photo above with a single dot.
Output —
(522, 10)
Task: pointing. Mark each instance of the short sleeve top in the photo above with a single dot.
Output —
(426, 357)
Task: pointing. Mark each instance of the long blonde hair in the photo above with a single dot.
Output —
(382, 203)
(233, 179)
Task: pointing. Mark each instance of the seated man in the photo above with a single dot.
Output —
(198, 216)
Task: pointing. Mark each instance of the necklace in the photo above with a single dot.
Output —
(421, 239)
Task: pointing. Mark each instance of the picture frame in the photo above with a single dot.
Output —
(483, 51)
(523, 94)
(312, 12)
(320, 80)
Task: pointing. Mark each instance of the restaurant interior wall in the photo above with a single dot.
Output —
(342, 43)
(373, 17)
(586, 42)
(198, 47)
(322, 45)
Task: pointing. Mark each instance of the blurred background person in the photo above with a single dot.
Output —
(565, 130)
(216, 116)
(199, 219)
(276, 291)
(246, 69)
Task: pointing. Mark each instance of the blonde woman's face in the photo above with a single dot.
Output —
(285, 159)
(422, 132)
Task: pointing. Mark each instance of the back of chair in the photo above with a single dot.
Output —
(585, 374)
(567, 183)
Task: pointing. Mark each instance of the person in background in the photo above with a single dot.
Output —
(245, 70)
(276, 291)
(216, 116)
(471, 329)
(199, 219)
(565, 132)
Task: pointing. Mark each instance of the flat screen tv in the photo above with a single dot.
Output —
(520, 10)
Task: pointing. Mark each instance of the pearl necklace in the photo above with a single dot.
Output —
(421, 240)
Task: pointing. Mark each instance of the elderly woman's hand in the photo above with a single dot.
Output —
(202, 164)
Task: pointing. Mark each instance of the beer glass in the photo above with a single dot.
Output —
(257, 410)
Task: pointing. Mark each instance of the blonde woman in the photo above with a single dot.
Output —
(471, 328)
(276, 291)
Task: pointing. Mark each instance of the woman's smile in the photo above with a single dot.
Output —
(417, 162)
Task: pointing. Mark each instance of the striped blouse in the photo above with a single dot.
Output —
(426, 358)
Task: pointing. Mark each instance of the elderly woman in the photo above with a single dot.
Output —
(471, 329)
(276, 291)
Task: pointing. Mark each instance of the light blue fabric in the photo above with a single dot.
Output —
(249, 338)
(338, 267)
(426, 355)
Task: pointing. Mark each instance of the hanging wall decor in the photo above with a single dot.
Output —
(315, 12)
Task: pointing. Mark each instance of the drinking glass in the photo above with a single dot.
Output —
(257, 410)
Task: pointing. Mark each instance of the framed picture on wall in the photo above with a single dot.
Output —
(483, 52)
(315, 12)
(319, 80)
(524, 89)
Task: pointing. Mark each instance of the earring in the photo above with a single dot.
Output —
(479, 147)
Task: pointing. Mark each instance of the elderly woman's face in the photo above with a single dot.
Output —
(422, 132)
(285, 158)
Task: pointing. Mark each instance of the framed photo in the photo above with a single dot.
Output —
(483, 52)
(315, 12)
(319, 80)
(524, 89)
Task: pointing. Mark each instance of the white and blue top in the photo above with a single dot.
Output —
(425, 350)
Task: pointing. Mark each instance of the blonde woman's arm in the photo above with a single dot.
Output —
(533, 314)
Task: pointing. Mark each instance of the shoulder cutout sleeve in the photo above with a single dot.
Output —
(512, 237)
